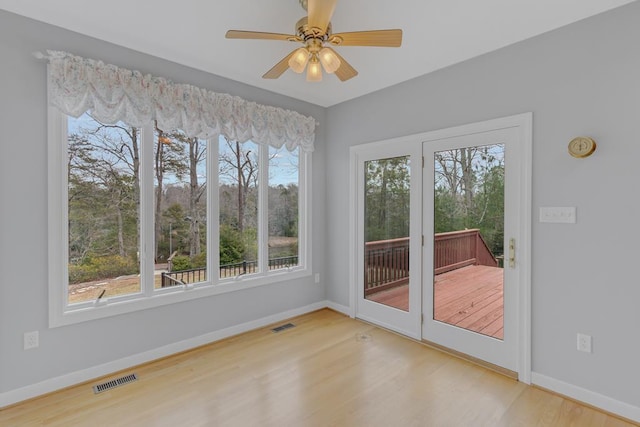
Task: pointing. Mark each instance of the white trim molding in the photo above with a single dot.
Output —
(73, 378)
(62, 313)
(523, 125)
(343, 309)
(589, 397)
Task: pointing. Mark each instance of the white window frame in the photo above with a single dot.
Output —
(61, 313)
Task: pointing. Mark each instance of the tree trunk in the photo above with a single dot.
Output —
(194, 227)
(466, 159)
(159, 172)
(136, 178)
(238, 154)
(121, 249)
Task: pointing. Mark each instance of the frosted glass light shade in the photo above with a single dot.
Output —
(314, 71)
(299, 60)
(329, 60)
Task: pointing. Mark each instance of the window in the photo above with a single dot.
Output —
(284, 183)
(243, 185)
(103, 209)
(131, 216)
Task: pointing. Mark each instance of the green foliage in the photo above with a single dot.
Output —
(104, 201)
(181, 262)
(283, 210)
(469, 192)
(250, 243)
(387, 191)
(174, 224)
(103, 193)
(199, 261)
(99, 268)
(231, 246)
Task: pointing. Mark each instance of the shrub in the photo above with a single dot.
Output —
(231, 247)
(199, 261)
(181, 262)
(106, 267)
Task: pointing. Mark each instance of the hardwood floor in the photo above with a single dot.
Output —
(328, 370)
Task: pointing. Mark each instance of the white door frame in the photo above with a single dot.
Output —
(404, 322)
(524, 125)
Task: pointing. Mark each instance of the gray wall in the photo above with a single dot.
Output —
(23, 222)
(583, 79)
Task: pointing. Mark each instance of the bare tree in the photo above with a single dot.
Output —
(240, 167)
(105, 159)
(168, 158)
(197, 153)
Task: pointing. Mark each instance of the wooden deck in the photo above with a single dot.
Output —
(469, 297)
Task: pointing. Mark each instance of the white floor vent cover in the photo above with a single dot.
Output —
(99, 388)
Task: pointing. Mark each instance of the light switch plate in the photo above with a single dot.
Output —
(564, 215)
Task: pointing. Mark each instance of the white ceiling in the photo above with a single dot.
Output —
(437, 33)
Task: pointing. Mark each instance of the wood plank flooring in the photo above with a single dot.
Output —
(329, 370)
(469, 297)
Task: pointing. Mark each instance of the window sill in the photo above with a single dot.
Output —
(106, 308)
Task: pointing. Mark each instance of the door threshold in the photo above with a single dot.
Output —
(498, 369)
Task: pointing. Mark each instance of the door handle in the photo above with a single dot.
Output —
(512, 253)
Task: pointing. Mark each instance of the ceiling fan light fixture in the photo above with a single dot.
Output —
(329, 60)
(314, 70)
(299, 60)
(315, 31)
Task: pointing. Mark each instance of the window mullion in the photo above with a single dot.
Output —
(147, 220)
(304, 211)
(263, 208)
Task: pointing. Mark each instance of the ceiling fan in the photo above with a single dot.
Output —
(314, 32)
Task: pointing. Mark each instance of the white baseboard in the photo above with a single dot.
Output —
(34, 390)
(28, 392)
(587, 396)
(338, 307)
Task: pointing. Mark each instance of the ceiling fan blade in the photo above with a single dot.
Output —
(279, 68)
(382, 38)
(345, 71)
(256, 35)
(320, 12)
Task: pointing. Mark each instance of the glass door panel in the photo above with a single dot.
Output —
(468, 241)
(386, 197)
(386, 222)
(471, 212)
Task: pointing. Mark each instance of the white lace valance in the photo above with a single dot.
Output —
(112, 94)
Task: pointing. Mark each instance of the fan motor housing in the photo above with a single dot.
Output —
(306, 32)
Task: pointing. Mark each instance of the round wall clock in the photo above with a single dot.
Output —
(582, 146)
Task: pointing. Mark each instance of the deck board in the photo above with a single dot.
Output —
(469, 297)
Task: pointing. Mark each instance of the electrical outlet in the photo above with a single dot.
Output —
(584, 343)
(317, 278)
(31, 340)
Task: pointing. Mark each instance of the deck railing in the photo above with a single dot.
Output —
(386, 264)
(457, 249)
(387, 261)
(195, 275)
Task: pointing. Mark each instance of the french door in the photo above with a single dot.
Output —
(474, 235)
(387, 187)
(440, 238)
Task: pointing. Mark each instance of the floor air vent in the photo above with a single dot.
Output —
(99, 388)
(283, 327)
